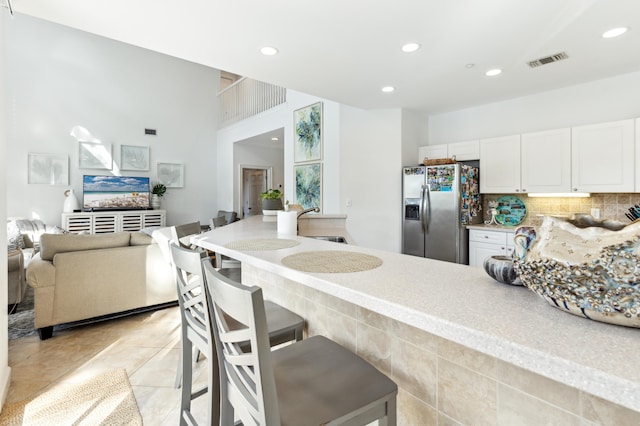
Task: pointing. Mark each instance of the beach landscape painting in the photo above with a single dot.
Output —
(115, 192)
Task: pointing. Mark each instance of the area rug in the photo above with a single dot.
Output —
(20, 322)
(106, 399)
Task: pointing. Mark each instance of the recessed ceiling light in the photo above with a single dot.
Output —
(388, 89)
(493, 72)
(615, 32)
(269, 51)
(274, 139)
(410, 47)
(470, 65)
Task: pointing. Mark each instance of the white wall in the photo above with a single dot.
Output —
(250, 155)
(227, 168)
(59, 78)
(361, 159)
(415, 133)
(282, 117)
(5, 371)
(371, 161)
(599, 101)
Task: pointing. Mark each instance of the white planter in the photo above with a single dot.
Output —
(155, 202)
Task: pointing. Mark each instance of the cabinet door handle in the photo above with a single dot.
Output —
(524, 190)
(575, 189)
(517, 190)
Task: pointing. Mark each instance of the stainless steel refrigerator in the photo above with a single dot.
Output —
(439, 202)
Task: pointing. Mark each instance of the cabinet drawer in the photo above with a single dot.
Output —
(492, 237)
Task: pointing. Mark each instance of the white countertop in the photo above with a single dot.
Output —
(502, 228)
(463, 304)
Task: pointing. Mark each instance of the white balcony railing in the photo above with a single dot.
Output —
(246, 98)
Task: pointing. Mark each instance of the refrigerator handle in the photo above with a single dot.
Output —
(424, 206)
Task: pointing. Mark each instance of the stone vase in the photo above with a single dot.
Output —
(272, 204)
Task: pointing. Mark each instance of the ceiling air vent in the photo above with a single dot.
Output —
(549, 59)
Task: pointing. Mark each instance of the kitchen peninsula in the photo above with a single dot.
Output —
(462, 347)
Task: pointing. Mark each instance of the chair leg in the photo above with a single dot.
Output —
(391, 412)
(178, 381)
(187, 380)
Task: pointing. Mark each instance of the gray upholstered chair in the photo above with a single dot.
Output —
(282, 326)
(312, 382)
(182, 233)
(16, 282)
(222, 262)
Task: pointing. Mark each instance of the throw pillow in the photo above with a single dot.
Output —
(14, 237)
(58, 230)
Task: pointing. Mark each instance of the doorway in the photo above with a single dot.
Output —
(254, 181)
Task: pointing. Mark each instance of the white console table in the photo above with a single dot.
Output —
(105, 222)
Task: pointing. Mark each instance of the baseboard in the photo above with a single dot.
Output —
(5, 383)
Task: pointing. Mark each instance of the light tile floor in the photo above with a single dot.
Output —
(147, 345)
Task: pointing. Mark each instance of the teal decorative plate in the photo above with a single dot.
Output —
(511, 210)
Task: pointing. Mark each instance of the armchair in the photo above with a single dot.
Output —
(16, 283)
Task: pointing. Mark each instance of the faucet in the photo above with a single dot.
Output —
(312, 209)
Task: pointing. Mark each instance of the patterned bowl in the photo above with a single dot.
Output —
(583, 268)
(501, 269)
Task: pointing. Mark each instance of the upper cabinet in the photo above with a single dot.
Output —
(463, 151)
(603, 157)
(431, 152)
(500, 165)
(546, 161)
(594, 158)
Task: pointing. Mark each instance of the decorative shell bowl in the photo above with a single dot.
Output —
(582, 266)
(501, 269)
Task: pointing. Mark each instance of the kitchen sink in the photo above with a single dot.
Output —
(332, 238)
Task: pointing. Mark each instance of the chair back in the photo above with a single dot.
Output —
(178, 232)
(196, 322)
(246, 373)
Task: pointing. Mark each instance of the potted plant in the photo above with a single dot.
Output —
(271, 200)
(156, 193)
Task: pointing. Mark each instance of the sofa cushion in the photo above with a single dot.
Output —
(51, 244)
(140, 239)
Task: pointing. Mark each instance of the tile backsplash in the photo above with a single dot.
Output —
(612, 206)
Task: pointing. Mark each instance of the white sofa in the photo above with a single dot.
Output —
(82, 277)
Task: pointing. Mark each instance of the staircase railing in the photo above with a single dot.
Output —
(246, 98)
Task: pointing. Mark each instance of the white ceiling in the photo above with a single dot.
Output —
(346, 50)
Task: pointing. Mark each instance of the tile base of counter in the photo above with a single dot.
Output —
(440, 382)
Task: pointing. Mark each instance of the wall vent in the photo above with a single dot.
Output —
(549, 59)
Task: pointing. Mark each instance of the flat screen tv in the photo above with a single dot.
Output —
(115, 192)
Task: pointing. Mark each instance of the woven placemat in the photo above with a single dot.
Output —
(332, 261)
(262, 244)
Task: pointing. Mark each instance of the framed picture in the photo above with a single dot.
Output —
(308, 182)
(171, 175)
(307, 126)
(134, 157)
(95, 155)
(48, 169)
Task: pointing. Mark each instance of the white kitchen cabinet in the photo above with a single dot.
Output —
(603, 157)
(500, 165)
(486, 243)
(432, 152)
(464, 151)
(546, 161)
